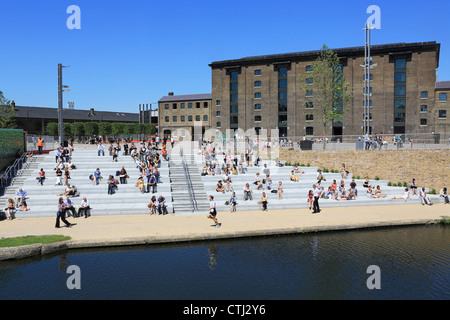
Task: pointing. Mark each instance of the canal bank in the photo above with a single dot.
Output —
(127, 230)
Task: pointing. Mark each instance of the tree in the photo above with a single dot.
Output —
(78, 129)
(67, 129)
(91, 128)
(324, 84)
(104, 129)
(52, 129)
(7, 113)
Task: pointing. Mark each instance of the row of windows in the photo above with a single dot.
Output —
(183, 105)
(183, 118)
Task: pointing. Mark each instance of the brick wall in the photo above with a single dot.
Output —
(430, 168)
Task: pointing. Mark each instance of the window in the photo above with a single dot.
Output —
(370, 90)
(218, 113)
(309, 69)
(442, 97)
(282, 83)
(282, 107)
(233, 108)
(257, 83)
(400, 91)
(400, 104)
(182, 118)
(234, 119)
(282, 72)
(400, 77)
(234, 75)
(174, 106)
(190, 105)
(370, 103)
(309, 131)
(423, 108)
(257, 72)
(197, 105)
(205, 118)
(166, 106)
(258, 106)
(423, 94)
(182, 105)
(257, 95)
(234, 86)
(399, 117)
(205, 104)
(400, 64)
(309, 105)
(282, 95)
(189, 118)
(442, 114)
(309, 117)
(166, 119)
(366, 76)
(197, 118)
(423, 122)
(218, 124)
(309, 93)
(218, 102)
(174, 119)
(309, 81)
(233, 97)
(257, 118)
(282, 119)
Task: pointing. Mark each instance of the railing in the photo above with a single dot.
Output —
(11, 172)
(189, 182)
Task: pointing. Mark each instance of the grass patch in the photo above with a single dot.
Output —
(22, 241)
(445, 221)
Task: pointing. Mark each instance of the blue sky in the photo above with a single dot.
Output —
(133, 52)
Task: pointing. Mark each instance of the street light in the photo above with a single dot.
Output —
(60, 101)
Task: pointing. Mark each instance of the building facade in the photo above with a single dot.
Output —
(263, 92)
(179, 113)
(442, 108)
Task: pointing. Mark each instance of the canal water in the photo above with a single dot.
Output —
(412, 263)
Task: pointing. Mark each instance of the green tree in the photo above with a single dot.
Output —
(149, 129)
(78, 129)
(117, 128)
(324, 85)
(7, 113)
(91, 128)
(104, 128)
(52, 129)
(67, 129)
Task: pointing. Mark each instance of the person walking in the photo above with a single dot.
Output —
(233, 202)
(212, 212)
(316, 193)
(61, 214)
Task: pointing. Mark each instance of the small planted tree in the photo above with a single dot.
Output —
(324, 85)
(7, 113)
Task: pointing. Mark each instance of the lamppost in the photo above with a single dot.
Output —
(60, 102)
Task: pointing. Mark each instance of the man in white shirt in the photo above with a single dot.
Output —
(212, 212)
(316, 193)
(84, 208)
(20, 195)
(100, 149)
(423, 197)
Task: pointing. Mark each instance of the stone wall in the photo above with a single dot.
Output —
(430, 167)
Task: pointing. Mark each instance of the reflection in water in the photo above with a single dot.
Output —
(212, 254)
(414, 263)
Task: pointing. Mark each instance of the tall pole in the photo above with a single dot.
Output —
(60, 104)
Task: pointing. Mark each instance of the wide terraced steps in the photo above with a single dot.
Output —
(127, 199)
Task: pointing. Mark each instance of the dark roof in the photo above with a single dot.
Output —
(341, 52)
(443, 85)
(186, 97)
(75, 114)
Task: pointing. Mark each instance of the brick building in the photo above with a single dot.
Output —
(178, 113)
(442, 108)
(263, 92)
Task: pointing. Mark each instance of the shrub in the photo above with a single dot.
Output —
(389, 184)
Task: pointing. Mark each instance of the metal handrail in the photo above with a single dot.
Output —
(11, 171)
(189, 182)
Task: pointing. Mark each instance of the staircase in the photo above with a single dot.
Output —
(184, 201)
(127, 199)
